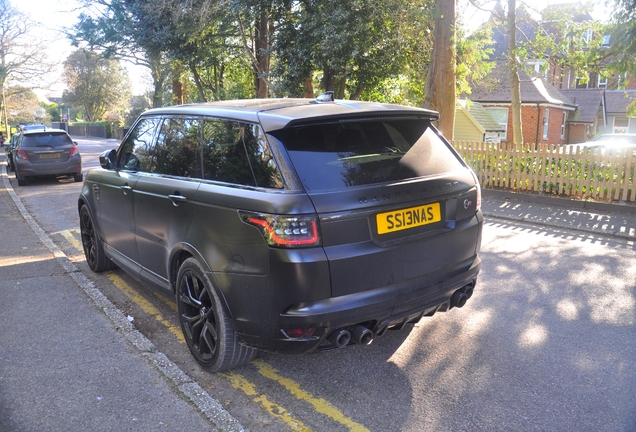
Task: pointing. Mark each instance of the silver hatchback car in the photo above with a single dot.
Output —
(49, 152)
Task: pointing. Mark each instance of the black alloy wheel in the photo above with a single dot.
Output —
(93, 248)
(206, 327)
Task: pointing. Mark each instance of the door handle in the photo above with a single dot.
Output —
(177, 199)
(125, 188)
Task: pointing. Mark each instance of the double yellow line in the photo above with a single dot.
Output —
(237, 380)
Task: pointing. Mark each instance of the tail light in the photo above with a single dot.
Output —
(285, 231)
(21, 154)
(74, 151)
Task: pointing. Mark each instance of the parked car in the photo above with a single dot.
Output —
(51, 152)
(603, 143)
(287, 225)
(33, 127)
(8, 149)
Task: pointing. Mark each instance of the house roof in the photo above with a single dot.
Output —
(480, 116)
(618, 100)
(588, 103)
(495, 88)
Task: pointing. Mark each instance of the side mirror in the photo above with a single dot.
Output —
(107, 159)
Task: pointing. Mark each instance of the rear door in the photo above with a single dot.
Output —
(164, 195)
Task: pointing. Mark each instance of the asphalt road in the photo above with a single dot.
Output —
(546, 342)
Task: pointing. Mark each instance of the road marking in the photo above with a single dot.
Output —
(68, 235)
(145, 305)
(238, 381)
(321, 405)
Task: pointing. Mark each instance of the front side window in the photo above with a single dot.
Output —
(136, 153)
(355, 153)
(237, 153)
(178, 148)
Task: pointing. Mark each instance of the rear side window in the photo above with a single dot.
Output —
(237, 153)
(356, 153)
(46, 139)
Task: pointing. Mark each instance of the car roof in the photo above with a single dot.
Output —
(616, 136)
(41, 131)
(276, 114)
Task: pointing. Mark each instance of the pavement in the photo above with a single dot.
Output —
(71, 361)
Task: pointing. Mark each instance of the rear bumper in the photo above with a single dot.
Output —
(376, 309)
(29, 169)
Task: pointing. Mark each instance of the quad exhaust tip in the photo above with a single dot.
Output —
(357, 334)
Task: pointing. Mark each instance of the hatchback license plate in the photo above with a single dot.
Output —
(407, 218)
(50, 156)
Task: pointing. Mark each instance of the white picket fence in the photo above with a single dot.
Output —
(575, 171)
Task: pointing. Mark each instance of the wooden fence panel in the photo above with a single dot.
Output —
(578, 171)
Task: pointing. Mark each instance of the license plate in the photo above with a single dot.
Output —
(50, 155)
(407, 218)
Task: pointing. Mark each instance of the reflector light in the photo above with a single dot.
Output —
(298, 333)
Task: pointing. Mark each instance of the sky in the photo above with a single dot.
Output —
(54, 15)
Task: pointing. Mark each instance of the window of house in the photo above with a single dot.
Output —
(582, 82)
(587, 36)
(621, 124)
(501, 116)
(546, 116)
(563, 121)
(602, 81)
(606, 40)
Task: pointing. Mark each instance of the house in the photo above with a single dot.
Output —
(617, 120)
(544, 110)
(590, 116)
(474, 123)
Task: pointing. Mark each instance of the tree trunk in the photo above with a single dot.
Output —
(197, 82)
(440, 91)
(261, 48)
(515, 86)
(309, 89)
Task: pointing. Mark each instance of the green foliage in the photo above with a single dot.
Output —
(96, 85)
(52, 111)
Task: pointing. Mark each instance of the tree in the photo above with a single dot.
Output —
(129, 30)
(353, 46)
(22, 104)
(95, 85)
(515, 85)
(22, 53)
(440, 81)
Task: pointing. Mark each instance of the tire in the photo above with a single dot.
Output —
(78, 177)
(93, 248)
(205, 325)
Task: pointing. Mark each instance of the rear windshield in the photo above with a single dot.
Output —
(355, 153)
(46, 139)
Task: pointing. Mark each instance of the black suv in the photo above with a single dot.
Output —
(287, 225)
